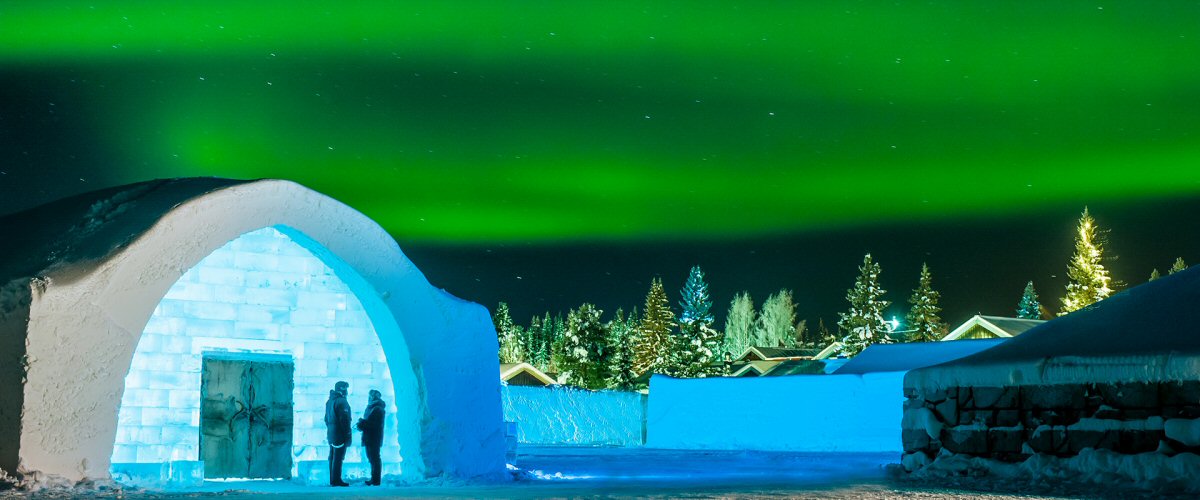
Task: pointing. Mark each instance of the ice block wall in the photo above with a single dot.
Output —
(566, 415)
(855, 413)
(261, 292)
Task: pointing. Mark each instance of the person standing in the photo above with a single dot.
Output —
(371, 425)
(337, 430)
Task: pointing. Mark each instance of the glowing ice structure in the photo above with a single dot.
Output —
(260, 293)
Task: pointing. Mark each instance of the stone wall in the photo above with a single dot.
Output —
(1011, 423)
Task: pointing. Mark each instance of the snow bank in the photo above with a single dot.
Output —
(566, 415)
(1144, 471)
(912, 355)
(848, 413)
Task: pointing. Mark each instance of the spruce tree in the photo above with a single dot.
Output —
(512, 347)
(585, 349)
(1089, 281)
(696, 304)
(654, 331)
(1029, 307)
(622, 333)
(923, 317)
(692, 354)
(1179, 265)
(824, 336)
(776, 325)
(557, 337)
(863, 323)
(739, 325)
(1154, 274)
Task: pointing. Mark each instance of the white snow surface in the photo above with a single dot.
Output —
(851, 413)
(1186, 431)
(1103, 468)
(81, 283)
(1147, 333)
(561, 415)
(912, 355)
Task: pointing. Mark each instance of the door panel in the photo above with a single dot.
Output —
(246, 418)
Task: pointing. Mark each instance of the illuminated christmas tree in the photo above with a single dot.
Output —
(1089, 280)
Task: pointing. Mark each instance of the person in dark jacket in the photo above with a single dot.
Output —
(337, 431)
(371, 425)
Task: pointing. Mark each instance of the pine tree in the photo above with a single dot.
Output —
(923, 318)
(509, 335)
(863, 323)
(692, 353)
(697, 306)
(1089, 281)
(776, 325)
(557, 338)
(1154, 274)
(739, 325)
(585, 349)
(824, 336)
(1029, 307)
(1179, 265)
(622, 340)
(654, 331)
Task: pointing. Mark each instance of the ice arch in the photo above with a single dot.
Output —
(263, 293)
(81, 299)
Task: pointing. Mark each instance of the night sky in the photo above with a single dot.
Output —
(551, 153)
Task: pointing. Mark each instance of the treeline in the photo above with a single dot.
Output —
(585, 350)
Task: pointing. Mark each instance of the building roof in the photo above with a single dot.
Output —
(998, 325)
(754, 368)
(510, 370)
(796, 367)
(777, 353)
(912, 355)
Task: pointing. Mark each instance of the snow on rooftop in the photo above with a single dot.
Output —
(1150, 332)
(912, 355)
(91, 225)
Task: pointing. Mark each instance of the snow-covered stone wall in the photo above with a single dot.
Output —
(1010, 423)
(566, 415)
(858, 413)
(260, 293)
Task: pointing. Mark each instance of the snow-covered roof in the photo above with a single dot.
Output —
(92, 225)
(998, 325)
(510, 370)
(1148, 332)
(776, 353)
(912, 355)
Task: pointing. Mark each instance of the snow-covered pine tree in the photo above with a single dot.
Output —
(1089, 281)
(692, 355)
(1029, 307)
(863, 323)
(776, 325)
(1154, 274)
(654, 331)
(696, 304)
(585, 349)
(824, 336)
(739, 325)
(923, 317)
(1179, 265)
(512, 348)
(622, 337)
(557, 338)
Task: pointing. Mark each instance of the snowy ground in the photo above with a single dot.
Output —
(643, 473)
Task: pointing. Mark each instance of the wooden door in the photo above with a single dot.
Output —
(246, 417)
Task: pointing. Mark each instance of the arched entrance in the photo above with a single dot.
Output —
(231, 373)
(82, 312)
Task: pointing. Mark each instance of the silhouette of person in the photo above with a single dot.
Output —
(371, 425)
(337, 431)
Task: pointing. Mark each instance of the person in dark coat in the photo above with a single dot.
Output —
(371, 425)
(337, 431)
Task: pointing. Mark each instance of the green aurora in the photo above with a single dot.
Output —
(470, 122)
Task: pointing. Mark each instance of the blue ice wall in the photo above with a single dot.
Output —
(858, 413)
(566, 415)
(260, 293)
